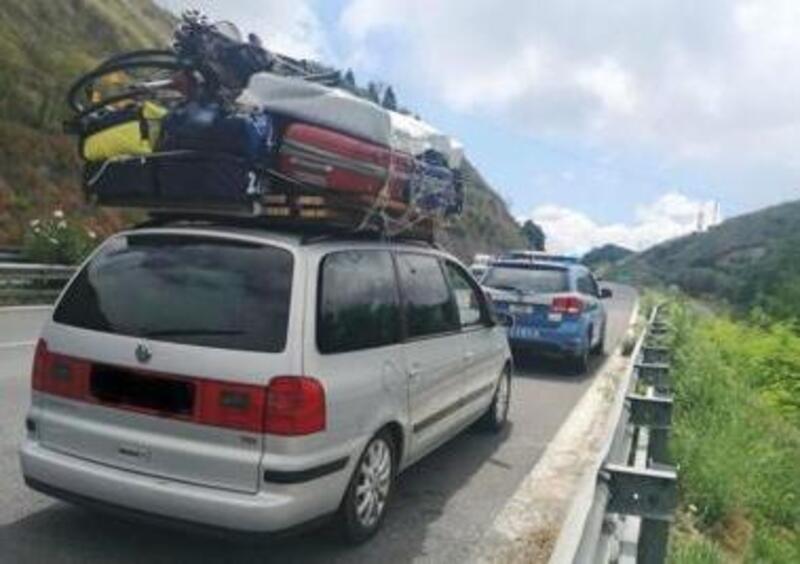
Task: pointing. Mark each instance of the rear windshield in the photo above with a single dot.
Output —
(185, 289)
(526, 279)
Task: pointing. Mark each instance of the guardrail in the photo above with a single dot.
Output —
(32, 283)
(625, 514)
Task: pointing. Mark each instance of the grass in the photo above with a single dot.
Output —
(736, 438)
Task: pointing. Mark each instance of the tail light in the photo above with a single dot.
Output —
(41, 360)
(234, 406)
(295, 406)
(58, 374)
(289, 406)
(569, 305)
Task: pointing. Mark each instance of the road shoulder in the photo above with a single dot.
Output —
(526, 529)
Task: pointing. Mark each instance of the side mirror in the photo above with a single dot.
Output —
(605, 293)
(504, 319)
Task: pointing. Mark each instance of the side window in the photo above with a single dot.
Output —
(429, 306)
(595, 286)
(358, 303)
(466, 294)
(585, 285)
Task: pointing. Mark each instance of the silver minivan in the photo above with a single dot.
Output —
(251, 380)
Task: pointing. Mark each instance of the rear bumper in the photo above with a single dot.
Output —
(565, 340)
(285, 507)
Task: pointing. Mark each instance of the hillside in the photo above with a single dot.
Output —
(486, 226)
(45, 44)
(603, 257)
(750, 260)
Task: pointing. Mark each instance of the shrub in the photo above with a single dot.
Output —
(57, 240)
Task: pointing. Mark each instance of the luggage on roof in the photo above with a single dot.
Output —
(317, 104)
(219, 126)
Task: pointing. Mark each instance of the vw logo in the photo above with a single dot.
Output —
(143, 353)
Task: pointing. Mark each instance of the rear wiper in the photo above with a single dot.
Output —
(506, 288)
(191, 332)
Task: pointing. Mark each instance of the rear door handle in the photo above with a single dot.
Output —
(469, 355)
(414, 370)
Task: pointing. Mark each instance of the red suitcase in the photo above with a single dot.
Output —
(402, 170)
(336, 161)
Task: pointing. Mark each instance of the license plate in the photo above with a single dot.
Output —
(520, 309)
(518, 332)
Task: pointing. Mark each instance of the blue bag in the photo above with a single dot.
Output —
(434, 185)
(207, 128)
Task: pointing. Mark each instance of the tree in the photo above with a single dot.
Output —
(389, 99)
(350, 79)
(374, 92)
(534, 235)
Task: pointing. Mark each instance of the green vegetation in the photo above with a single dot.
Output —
(58, 240)
(45, 44)
(736, 438)
(750, 261)
(604, 257)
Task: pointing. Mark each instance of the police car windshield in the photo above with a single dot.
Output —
(540, 279)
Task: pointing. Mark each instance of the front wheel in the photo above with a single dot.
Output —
(364, 505)
(496, 416)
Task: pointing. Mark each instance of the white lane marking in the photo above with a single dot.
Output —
(16, 344)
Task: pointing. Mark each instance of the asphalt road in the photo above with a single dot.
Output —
(441, 508)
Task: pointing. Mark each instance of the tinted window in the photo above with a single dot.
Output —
(467, 298)
(429, 306)
(358, 303)
(542, 280)
(184, 289)
(586, 285)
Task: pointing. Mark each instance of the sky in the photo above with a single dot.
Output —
(601, 121)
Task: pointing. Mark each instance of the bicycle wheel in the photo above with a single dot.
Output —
(130, 79)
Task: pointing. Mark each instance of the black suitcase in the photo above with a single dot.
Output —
(175, 181)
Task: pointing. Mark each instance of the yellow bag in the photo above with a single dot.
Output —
(130, 131)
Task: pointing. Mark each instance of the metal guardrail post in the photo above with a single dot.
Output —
(655, 354)
(655, 413)
(655, 374)
(644, 492)
(653, 541)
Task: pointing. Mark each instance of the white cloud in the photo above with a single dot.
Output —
(572, 231)
(716, 79)
(287, 26)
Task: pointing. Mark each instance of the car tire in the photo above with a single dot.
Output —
(600, 348)
(579, 364)
(496, 417)
(364, 505)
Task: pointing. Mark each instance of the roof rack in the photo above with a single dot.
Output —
(310, 232)
(368, 235)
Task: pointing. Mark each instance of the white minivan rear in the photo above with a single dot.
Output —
(246, 380)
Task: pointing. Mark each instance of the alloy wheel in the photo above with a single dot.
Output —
(373, 482)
